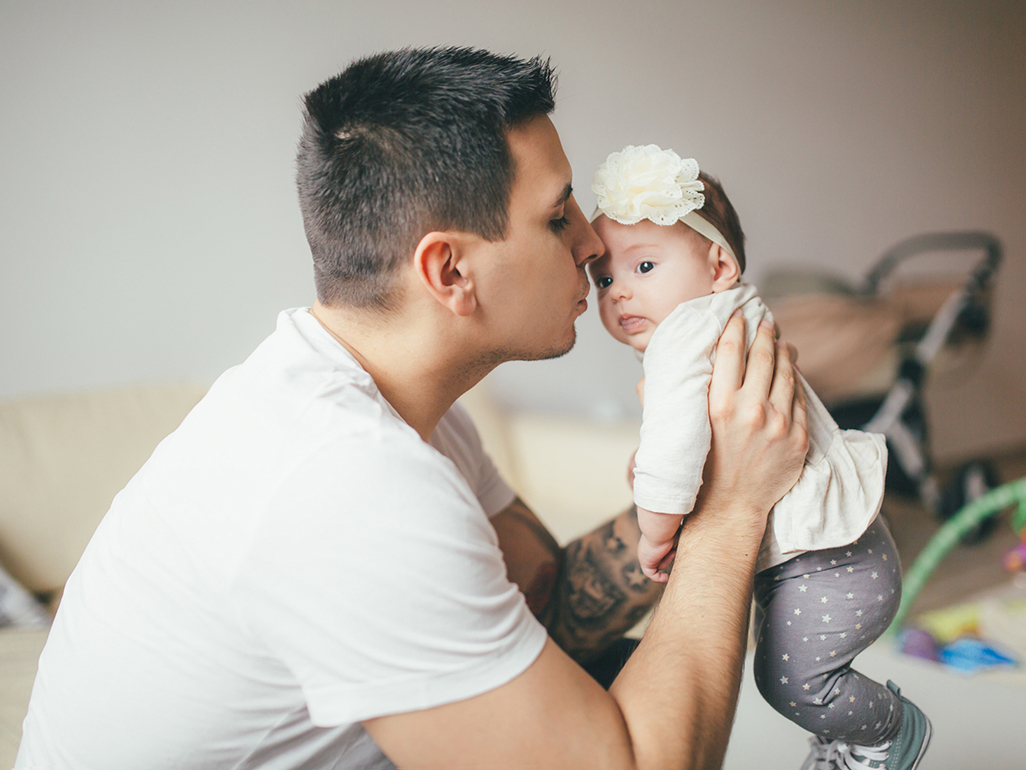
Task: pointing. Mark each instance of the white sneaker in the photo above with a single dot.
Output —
(841, 755)
(905, 752)
(819, 757)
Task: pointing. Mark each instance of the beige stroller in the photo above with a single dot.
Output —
(867, 350)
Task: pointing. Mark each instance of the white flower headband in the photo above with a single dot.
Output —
(650, 183)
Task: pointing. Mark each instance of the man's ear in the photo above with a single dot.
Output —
(436, 262)
(725, 270)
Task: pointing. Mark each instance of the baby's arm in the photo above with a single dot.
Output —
(656, 547)
(675, 431)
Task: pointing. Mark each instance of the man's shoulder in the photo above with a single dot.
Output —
(298, 375)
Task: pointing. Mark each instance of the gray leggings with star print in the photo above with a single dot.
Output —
(814, 614)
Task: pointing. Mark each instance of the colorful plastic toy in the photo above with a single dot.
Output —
(1015, 559)
(969, 517)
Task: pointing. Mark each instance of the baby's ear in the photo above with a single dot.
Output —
(725, 270)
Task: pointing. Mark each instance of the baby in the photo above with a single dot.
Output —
(828, 580)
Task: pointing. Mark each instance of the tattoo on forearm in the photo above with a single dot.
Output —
(590, 596)
(600, 592)
(634, 578)
(614, 544)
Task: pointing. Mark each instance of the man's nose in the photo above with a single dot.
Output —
(591, 248)
(588, 246)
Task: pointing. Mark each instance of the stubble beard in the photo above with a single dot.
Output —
(502, 355)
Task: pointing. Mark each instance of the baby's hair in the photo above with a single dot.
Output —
(720, 213)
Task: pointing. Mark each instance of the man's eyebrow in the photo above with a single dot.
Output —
(564, 196)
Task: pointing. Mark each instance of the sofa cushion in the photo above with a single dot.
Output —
(63, 458)
(572, 471)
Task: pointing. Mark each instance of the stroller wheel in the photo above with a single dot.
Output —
(970, 482)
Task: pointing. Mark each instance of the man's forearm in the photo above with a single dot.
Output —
(687, 669)
(600, 591)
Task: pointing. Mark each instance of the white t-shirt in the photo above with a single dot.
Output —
(841, 487)
(292, 560)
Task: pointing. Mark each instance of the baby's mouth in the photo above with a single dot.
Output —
(632, 324)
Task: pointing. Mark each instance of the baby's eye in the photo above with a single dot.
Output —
(645, 267)
(603, 282)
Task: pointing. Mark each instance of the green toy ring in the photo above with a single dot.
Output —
(1013, 493)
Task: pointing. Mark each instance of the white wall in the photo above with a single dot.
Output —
(150, 230)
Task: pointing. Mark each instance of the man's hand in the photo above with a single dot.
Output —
(759, 422)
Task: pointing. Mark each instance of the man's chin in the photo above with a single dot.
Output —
(556, 351)
(562, 350)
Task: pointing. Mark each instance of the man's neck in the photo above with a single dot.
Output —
(417, 375)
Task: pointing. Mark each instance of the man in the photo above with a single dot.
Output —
(305, 573)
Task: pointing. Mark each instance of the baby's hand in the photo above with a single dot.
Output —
(640, 389)
(655, 559)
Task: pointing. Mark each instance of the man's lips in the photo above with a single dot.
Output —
(582, 300)
(632, 324)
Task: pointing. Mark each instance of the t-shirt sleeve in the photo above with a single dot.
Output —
(377, 580)
(458, 439)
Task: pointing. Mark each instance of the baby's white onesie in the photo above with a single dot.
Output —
(841, 487)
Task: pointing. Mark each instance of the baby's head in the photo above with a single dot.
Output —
(659, 250)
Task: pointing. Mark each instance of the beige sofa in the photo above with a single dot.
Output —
(63, 458)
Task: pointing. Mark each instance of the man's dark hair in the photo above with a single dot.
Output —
(406, 142)
(720, 213)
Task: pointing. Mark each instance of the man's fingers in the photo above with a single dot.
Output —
(788, 395)
(762, 362)
(729, 369)
(781, 394)
(800, 415)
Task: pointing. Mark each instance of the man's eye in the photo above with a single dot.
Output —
(644, 267)
(560, 224)
(603, 282)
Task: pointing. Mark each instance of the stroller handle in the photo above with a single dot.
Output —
(956, 241)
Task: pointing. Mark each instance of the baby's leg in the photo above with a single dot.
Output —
(816, 613)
